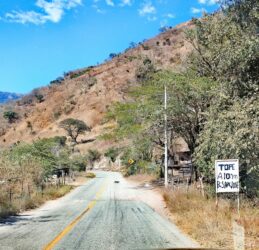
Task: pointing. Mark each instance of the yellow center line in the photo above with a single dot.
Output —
(69, 227)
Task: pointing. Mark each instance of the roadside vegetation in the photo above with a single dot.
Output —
(30, 174)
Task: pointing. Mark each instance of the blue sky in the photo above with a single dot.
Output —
(41, 39)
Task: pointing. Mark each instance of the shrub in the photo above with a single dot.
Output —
(144, 72)
(78, 163)
(90, 175)
(57, 81)
(112, 55)
(39, 97)
(112, 153)
(92, 156)
(10, 116)
(57, 114)
(54, 192)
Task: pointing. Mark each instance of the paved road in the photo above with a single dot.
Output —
(98, 215)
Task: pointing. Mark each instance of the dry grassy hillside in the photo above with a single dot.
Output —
(86, 94)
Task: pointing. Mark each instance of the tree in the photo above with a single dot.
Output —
(92, 156)
(132, 45)
(112, 153)
(49, 153)
(231, 134)
(39, 97)
(74, 128)
(11, 116)
(141, 119)
(112, 55)
(226, 47)
(189, 97)
(145, 70)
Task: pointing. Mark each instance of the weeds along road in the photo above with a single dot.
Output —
(99, 215)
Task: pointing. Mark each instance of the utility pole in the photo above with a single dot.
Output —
(166, 139)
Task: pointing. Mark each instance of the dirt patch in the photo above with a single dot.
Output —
(141, 178)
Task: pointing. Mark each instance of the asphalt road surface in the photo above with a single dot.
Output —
(99, 215)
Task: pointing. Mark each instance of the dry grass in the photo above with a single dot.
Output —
(211, 226)
(55, 193)
(249, 218)
(30, 202)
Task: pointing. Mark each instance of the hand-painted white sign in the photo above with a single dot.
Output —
(227, 176)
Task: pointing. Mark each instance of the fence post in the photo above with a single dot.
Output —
(29, 191)
(10, 195)
(42, 188)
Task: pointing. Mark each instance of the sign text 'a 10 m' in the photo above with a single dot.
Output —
(227, 176)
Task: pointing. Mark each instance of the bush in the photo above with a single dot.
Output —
(112, 55)
(144, 72)
(57, 114)
(112, 154)
(92, 156)
(78, 163)
(79, 73)
(10, 116)
(90, 175)
(54, 192)
(39, 97)
(57, 81)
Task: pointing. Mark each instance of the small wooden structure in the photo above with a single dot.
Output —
(179, 164)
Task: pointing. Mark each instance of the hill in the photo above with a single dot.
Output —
(87, 93)
(6, 97)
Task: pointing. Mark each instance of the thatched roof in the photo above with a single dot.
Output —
(179, 145)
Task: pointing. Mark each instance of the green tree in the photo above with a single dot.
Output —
(226, 47)
(92, 156)
(232, 134)
(39, 97)
(189, 97)
(49, 153)
(112, 154)
(141, 119)
(11, 116)
(74, 128)
(145, 70)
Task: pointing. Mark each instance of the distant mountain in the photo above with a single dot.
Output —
(5, 97)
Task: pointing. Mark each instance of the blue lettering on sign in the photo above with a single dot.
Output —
(227, 167)
(229, 184)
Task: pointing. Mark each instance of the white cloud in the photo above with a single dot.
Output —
(24, 17)
(98, 10)
(147, 9)
(197, 11)
(126, 2)
(109, 2)
(169, 15)
(49, 11)
(208, 2)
